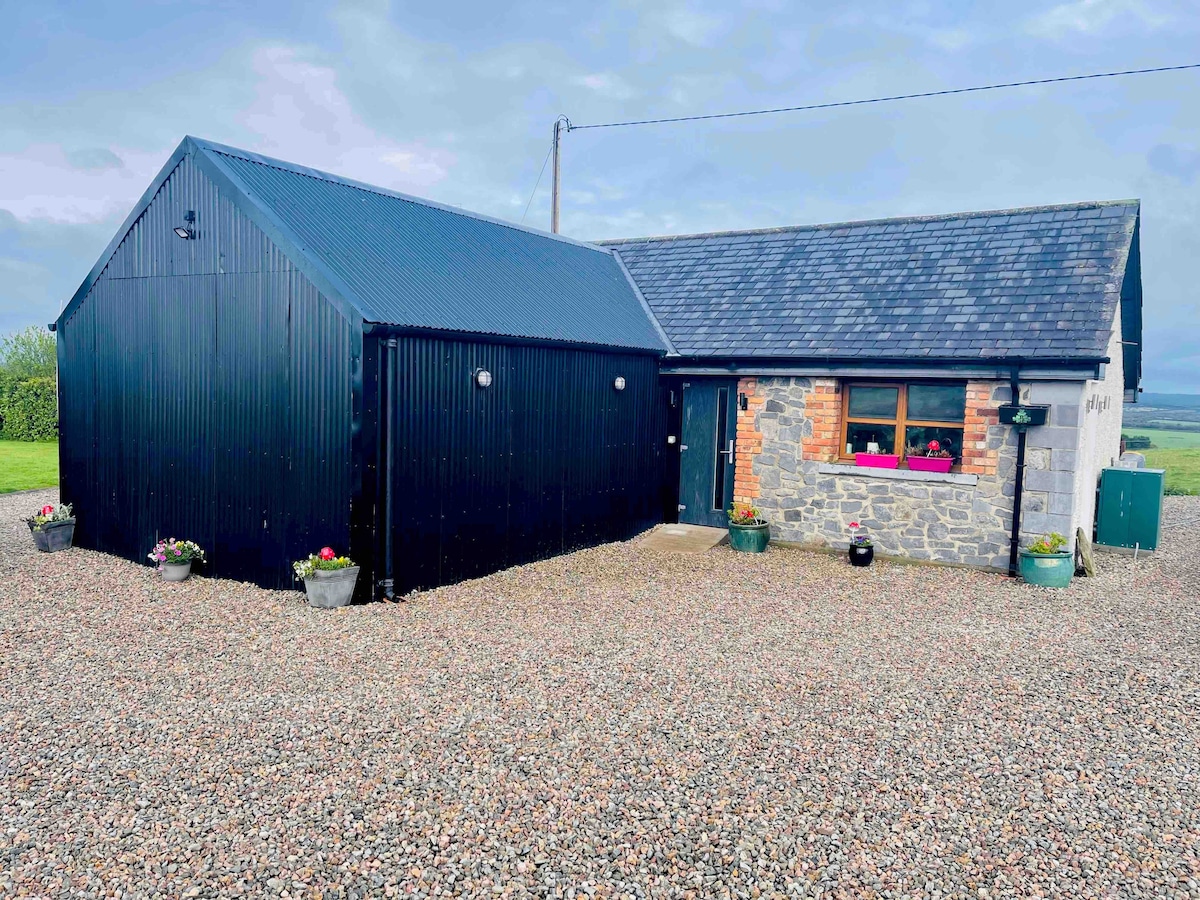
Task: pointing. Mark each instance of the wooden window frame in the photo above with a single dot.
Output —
(901, 422)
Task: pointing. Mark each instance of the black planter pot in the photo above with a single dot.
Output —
(53, 536)
(861, 556)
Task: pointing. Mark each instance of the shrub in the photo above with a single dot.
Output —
(29, 410)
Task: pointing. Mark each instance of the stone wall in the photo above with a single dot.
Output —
(786, 466)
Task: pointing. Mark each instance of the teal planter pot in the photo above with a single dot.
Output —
(1047, 569)
(749, 538)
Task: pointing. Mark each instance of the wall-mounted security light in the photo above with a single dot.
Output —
(483, 378)
(187, 232)
(619, 383)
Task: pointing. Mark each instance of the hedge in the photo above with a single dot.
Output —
(29, 410)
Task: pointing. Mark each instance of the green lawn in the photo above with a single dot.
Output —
(25, 465)
(1182, 465)
(1167, 440)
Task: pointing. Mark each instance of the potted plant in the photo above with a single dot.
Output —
(174, 558)
(52, 527)
(862, 550)
(1046, 563)
(328, 579)
(930, 458)
(873, 458)
(749, 532)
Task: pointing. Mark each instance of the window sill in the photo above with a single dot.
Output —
(896, 474)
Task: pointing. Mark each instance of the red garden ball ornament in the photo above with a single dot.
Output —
(935, 446)
(326, 553)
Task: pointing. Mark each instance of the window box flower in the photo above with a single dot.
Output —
(877, 460)
(52, 527)
(329, 579)
(930, 458)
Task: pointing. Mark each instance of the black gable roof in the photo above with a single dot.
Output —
(1040, 284)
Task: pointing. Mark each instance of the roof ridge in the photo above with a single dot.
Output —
(896, 220)
(319, 174)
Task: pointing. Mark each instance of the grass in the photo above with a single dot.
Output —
(1164, 439)
(1182, 465)
(26, 465)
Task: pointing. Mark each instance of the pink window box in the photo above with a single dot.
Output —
(877, 460)
(930, 463)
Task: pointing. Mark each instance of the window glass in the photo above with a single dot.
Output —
(917, 438)
(937, 402)
(860, 435)
(873, 402)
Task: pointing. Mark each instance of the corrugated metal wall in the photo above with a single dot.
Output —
(205, 390)
(548, 459)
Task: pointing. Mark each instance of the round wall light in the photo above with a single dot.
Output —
(619, 383)
(483, 378)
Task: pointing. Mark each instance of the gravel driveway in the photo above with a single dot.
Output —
(611, 723)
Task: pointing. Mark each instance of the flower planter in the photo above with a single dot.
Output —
(861, 556)
(749, 538)
(330, 588)
(930, 463)
(53, 536)
(877, 460)
(1047, 569)
(176, 571)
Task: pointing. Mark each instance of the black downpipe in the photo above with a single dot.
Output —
(1014, 546)
(387, 395)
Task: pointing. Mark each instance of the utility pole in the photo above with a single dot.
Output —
(561, 125)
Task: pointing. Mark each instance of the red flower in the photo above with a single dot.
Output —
(46, 510)
(327, 553)
(934, 446)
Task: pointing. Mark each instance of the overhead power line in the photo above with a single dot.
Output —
(533, 193)
(890, 99)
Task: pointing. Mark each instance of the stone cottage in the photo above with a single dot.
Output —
(795, 351)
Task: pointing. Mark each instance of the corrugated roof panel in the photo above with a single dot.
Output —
(409, 262)
(958, 281)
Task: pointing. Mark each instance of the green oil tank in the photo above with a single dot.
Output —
(1129, 508)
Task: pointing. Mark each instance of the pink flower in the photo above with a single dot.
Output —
(162, 557)
(327, 553)
(178, 552)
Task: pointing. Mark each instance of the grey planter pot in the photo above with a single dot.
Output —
(54, 536)
(176, 571)
(331, 588)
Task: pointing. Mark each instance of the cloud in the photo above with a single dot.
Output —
(692, 26)
(94, 158)
(1090, 17)
(1179, 162)
(606, 84)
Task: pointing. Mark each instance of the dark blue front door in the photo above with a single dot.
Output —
(707, 451)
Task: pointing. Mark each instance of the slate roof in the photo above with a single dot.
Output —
(401, 260)
(1039, 283)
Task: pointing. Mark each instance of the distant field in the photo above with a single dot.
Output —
(25, 465)
(1167, 440)
(1182, 465)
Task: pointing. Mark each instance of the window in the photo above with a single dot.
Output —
(891, 417)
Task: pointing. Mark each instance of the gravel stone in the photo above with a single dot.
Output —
(612, 723)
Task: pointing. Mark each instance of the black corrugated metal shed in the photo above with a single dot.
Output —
(247, 386)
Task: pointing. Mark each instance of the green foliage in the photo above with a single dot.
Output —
(28, 354)
(30, 410)
(1048, 543)
(25, 466)
(28, 399)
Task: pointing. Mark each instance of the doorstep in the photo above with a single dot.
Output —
(684, 538)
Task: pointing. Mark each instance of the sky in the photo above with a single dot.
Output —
(455, 101)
